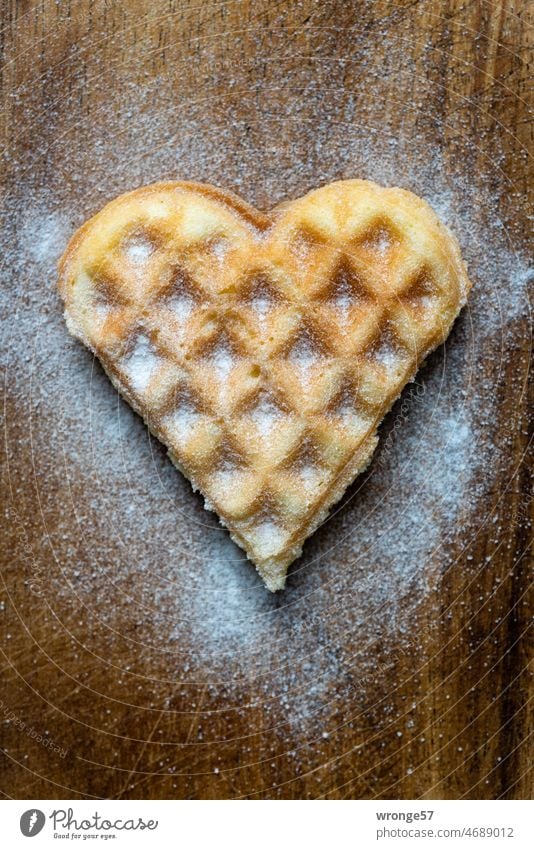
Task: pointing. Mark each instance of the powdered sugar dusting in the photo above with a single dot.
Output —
(342, 299)
(181, 422)
(269, 538)
(266, 415)
(261, 306)
(303, 355)
(181, 307)
(310, 476)
(387, 357)
(138, 250)
(140, 364)
(134, 548)
(222, 360)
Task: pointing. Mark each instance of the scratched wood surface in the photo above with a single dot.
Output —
(266, 98)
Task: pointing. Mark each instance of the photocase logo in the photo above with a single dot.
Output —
(31, 822)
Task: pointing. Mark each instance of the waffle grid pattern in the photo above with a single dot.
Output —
(263, 356)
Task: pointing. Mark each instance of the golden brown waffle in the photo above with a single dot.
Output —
(264, 350)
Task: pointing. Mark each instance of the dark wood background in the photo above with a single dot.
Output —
(244, 94)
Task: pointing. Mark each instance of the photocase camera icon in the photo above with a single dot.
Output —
(32, 822)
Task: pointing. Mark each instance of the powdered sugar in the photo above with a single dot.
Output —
(138, 250)
(303, 356)
(269, 538)
(342, 299)
(222, 361)
(140, 364)
(266, 415)
(150, 560)
(310, 476)
(182, 420)
(181, 307)
(261, 306)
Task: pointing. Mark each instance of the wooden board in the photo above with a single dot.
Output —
(141, 657)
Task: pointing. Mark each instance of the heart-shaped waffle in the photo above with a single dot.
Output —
(264, 349)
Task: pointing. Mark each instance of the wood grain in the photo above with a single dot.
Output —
(263, 98)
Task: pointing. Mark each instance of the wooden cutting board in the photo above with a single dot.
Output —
(141, 656)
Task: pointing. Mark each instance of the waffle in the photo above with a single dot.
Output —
(264, 349)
